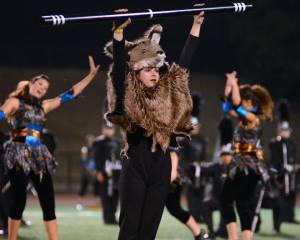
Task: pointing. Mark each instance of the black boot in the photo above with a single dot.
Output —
(202, 236)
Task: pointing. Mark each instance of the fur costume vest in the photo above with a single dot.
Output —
(162, 111)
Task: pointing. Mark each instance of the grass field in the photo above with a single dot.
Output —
(87, 225)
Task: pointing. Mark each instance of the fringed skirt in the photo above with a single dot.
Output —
(37, 159)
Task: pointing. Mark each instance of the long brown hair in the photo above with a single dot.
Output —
(260, 98)
(266, 104)
(22, 89)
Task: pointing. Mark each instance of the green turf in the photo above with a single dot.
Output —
(87, 225)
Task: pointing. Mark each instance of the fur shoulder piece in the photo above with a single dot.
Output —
(162, 111)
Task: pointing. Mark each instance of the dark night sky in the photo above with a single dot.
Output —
(262, 43)
(27, 43)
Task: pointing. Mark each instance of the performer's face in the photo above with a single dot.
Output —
(149, 76)
(39, 88)
(247, 104)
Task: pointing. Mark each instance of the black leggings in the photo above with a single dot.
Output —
(173, 204)
(84, 184)
(44, 187)
(241, 191)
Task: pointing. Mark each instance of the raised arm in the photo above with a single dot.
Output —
(227, 103)
(119, 68)
(191, 43)
(235, 90)
(237, 109)
(228, 85)
(119, 71)
(51, 104)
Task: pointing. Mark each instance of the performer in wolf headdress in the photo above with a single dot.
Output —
(151, 101)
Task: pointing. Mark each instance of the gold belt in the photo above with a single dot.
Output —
(26, 132)
(244, 148)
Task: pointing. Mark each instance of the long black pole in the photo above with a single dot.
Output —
(56, 20)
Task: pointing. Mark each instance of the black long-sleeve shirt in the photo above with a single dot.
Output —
(119, 73)
(188, 51)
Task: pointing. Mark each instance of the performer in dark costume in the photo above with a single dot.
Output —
(179, 179)
(250, 105)
(173, 204)
(283, 159)
(201, 193)
(212, 176)
(224, 155)
(192, 153)
(25, 156)
(88, 170)
(106, 150)
(152, 103)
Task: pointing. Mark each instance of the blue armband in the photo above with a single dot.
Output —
(241, 111)
(2, 115)
(227, 106)
(67, 96)
(92, 165)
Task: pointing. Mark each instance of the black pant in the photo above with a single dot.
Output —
(109, 204)
(206, 210)
(44, 187)
(85, 181)
(273, 203)
(283, 209)
(173, 204)
(241, 191)
(194, 198)
(288, 205)
(144, 185)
